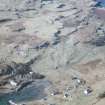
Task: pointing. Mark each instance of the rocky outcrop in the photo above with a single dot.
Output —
(17, 75)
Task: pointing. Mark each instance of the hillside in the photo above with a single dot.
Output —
(52, 52)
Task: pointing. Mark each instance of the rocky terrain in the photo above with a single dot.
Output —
(52, 52)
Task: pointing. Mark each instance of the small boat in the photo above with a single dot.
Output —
(12, 103)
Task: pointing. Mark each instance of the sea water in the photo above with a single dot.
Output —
(36, 93)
